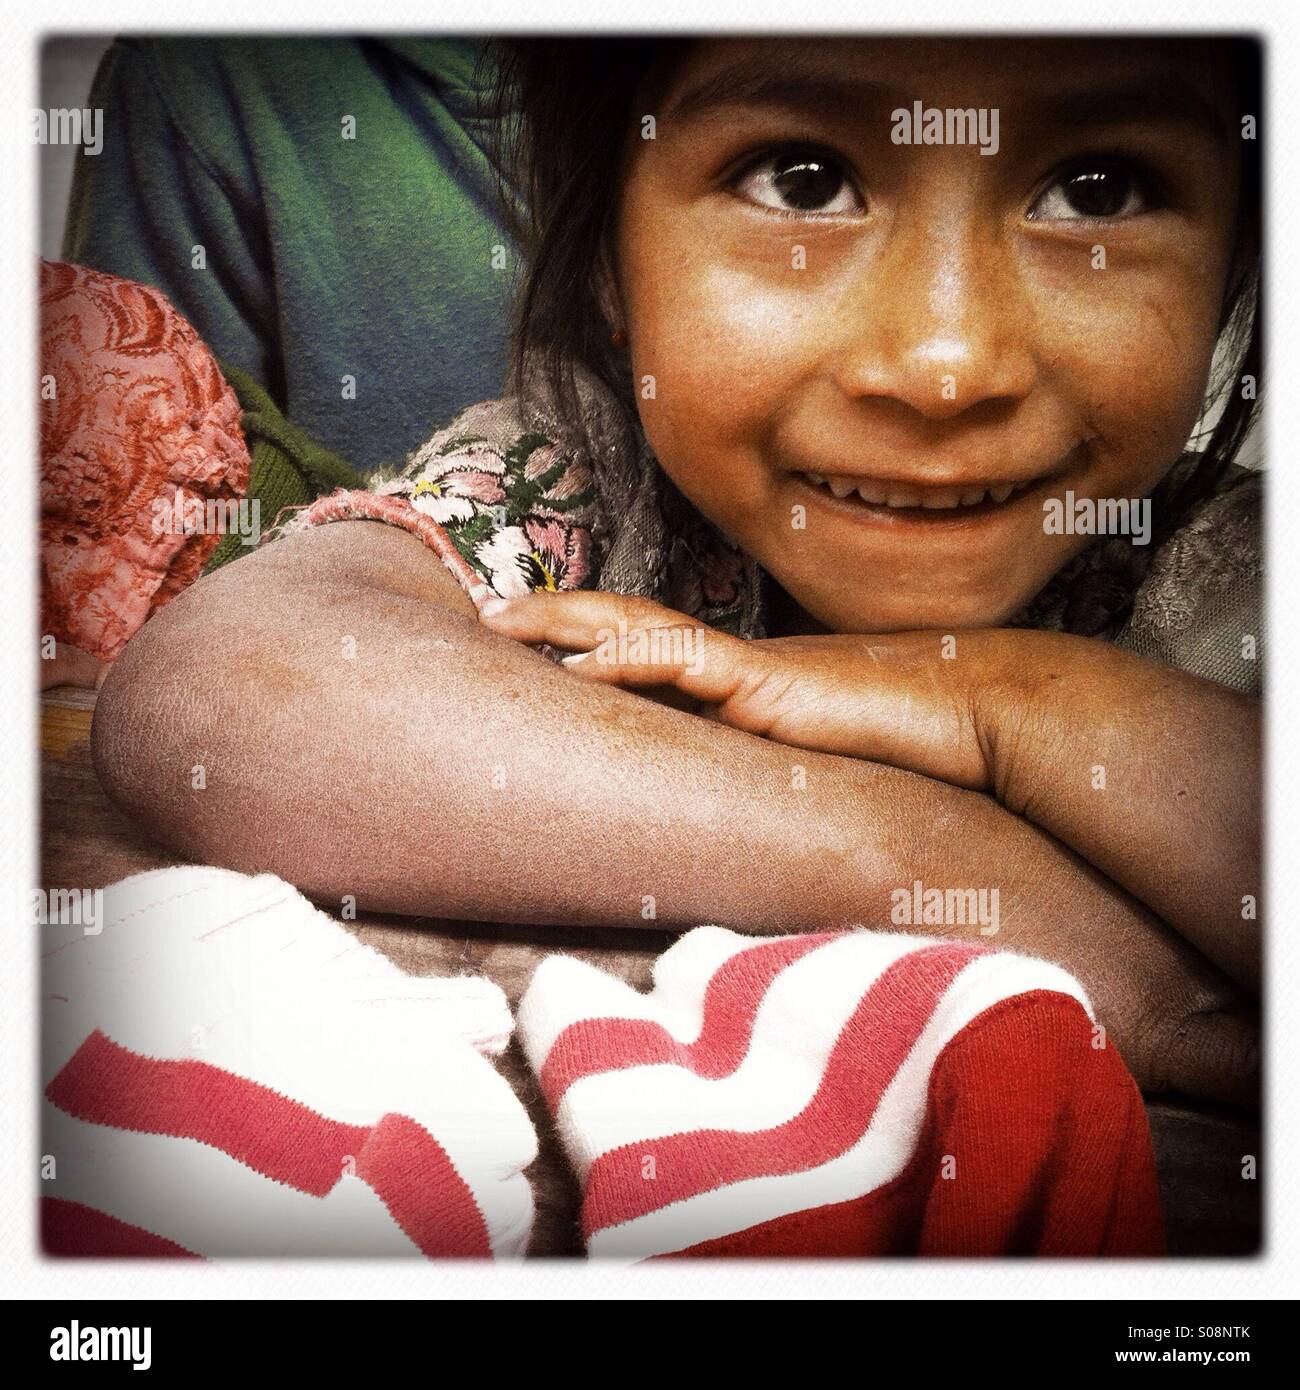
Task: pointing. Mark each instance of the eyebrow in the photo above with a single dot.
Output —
(756, 84)
(1164, 101)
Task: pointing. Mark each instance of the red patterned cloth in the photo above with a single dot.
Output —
(856, 1093)
(137, 423)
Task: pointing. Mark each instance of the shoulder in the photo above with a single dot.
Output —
(1199, 607)
(517, 501)
(508, 505)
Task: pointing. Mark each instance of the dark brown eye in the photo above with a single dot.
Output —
(800, 180)
(1090, 192)
(807, 184)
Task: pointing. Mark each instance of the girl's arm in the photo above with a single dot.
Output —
(330, 709)
(1150, 774)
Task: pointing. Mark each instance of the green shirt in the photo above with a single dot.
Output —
(365, 282)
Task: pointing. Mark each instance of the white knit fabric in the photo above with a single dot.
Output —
(245, 974)
(620, 1103)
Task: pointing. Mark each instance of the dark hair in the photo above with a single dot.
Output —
(1241, 325)
(563, 110)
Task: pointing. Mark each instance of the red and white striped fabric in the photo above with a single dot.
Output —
(229, 1072)
(857, 1093)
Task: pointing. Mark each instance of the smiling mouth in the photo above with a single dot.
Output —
(909, 497)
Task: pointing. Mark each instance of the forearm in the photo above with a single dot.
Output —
(444, 770)
(1150, 774)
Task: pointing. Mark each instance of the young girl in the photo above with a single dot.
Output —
(857, 441)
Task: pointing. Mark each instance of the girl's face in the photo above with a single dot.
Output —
(926, 324)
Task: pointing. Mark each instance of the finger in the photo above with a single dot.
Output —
(1213, 1056)
(693, 660)
(630, 642)
(571, 619)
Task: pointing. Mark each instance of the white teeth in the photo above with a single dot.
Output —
(945, 498)
(932, 499)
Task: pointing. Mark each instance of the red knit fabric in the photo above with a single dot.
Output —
(850, 1094)
(228, 1071)
(71, 1228)
(105, 1084)
(1049, 1157)
(867, 1054)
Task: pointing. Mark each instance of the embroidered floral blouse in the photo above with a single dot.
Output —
(510, 511)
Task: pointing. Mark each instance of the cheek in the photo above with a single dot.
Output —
(719, 345)
(1134, 355)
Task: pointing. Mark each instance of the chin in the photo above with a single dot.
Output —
(888, 591)
(914, 612)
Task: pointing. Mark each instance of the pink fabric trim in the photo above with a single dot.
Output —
(359, 505)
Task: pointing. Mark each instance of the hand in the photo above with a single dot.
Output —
(911, 699)
(1177, 1021)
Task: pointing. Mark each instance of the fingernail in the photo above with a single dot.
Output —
(489, 606)
(574, 659)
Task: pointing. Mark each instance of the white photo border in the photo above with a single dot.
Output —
(26, 1273)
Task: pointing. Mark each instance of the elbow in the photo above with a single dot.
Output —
(170, 736)
(125, 737)
(148, 726)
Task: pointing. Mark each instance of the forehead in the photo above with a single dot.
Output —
(1020, 76)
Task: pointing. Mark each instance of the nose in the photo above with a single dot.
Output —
(936, 323)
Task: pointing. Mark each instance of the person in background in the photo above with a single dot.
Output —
(320, 216)
(323, 211)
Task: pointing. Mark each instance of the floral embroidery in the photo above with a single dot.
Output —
(512, 511)
(521, 516)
